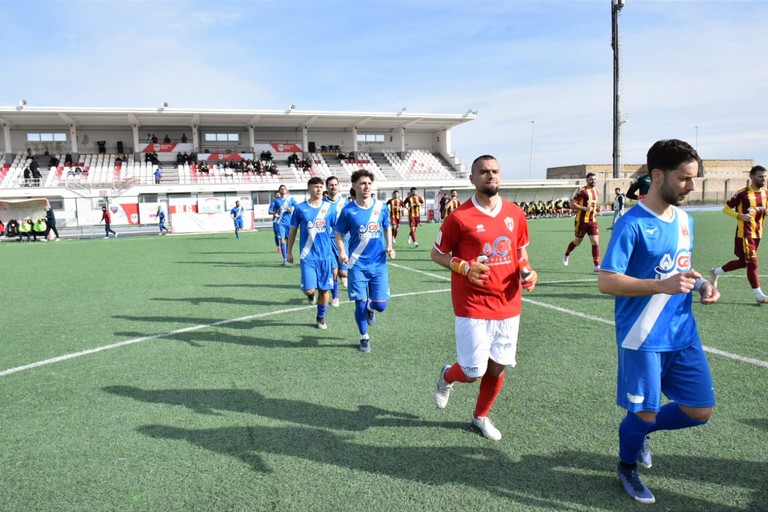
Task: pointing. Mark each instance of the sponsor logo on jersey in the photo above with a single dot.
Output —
(672, 264)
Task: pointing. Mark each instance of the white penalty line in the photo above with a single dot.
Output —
(193, 328)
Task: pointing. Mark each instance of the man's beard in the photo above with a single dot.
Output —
(668, 195)
(490, 190)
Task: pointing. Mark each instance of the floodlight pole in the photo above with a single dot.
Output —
(615, 11)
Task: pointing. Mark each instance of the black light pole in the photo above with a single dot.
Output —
(615, 11)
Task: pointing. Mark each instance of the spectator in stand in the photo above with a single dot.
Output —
(166, 139)
(50, 220)
(183, 138)
(29, 153)
(53, 162)
(106, 217)
(27, 177)
(36, 176)
(68, 159)
(154, 139)
(158, 176)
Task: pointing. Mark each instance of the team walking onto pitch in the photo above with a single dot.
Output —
(647, 267)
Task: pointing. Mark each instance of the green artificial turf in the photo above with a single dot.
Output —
(226, 397)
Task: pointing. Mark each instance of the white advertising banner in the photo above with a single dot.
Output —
(207, 223)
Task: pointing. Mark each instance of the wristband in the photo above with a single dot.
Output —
(699, 283)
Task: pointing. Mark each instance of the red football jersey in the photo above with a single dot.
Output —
(471, 231)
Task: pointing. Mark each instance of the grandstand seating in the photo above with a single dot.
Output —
(100, 168)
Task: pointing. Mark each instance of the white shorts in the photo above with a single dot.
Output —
(479, 340)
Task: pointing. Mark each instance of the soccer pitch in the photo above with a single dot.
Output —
(184, 373)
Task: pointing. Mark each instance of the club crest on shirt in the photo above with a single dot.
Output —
(510, 223)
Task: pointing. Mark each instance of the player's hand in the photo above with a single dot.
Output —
(289, 258)
(343, 258)
(391, 252)
(683, 282)
(708, 294)
(475, 272)
(529, 282)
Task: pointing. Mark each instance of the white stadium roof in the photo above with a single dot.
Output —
(24, 116)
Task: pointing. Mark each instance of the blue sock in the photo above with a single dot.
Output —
(632, 432)
(335, 289)
(321, 310)
(283, 250)
(237, 234)
(377, 305)
(671, 417)
(361, 316)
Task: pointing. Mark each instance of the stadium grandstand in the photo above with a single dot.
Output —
(196, 163)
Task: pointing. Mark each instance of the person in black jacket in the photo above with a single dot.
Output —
(50, 219)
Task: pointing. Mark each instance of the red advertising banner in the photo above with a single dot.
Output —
(286, 148)
(159, 148)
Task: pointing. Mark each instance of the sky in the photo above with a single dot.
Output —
(538, 72)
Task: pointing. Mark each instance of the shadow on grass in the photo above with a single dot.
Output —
(560, 481)
(213, 401)
(199, 338)
(234, 301)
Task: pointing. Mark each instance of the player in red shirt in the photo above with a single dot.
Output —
(413, 203)
(483, 242)
(395, 206)
(748, 207)
(585, 202)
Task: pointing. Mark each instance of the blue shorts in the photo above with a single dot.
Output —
(239, 223)
(682, 375)
(368, 283)
(281, 230)
(339, 265)
(316, 274)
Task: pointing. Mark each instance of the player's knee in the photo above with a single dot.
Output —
(377, 305)
(700, 414)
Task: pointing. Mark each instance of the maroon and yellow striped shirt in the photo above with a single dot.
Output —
(395, 208)
(586, 196)
(749, 200)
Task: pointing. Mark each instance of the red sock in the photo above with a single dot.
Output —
(596, 254)
(570, 248)
(455, 374)
(490, 386)
(752, 276)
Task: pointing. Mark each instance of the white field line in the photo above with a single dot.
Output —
(736, 357)
(442, 277)
(193, 328)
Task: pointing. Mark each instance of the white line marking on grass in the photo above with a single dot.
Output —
(719, 352)
(193, 328)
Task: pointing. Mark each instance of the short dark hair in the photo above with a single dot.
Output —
(478, 159)
(329, 179)
(756, 169)
(413, 189)
(360, 173)
(667, 155)
(590, 174)
(315, 180)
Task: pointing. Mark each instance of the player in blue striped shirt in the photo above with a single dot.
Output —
(313, 220)
(366, 220)
(648, 268)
